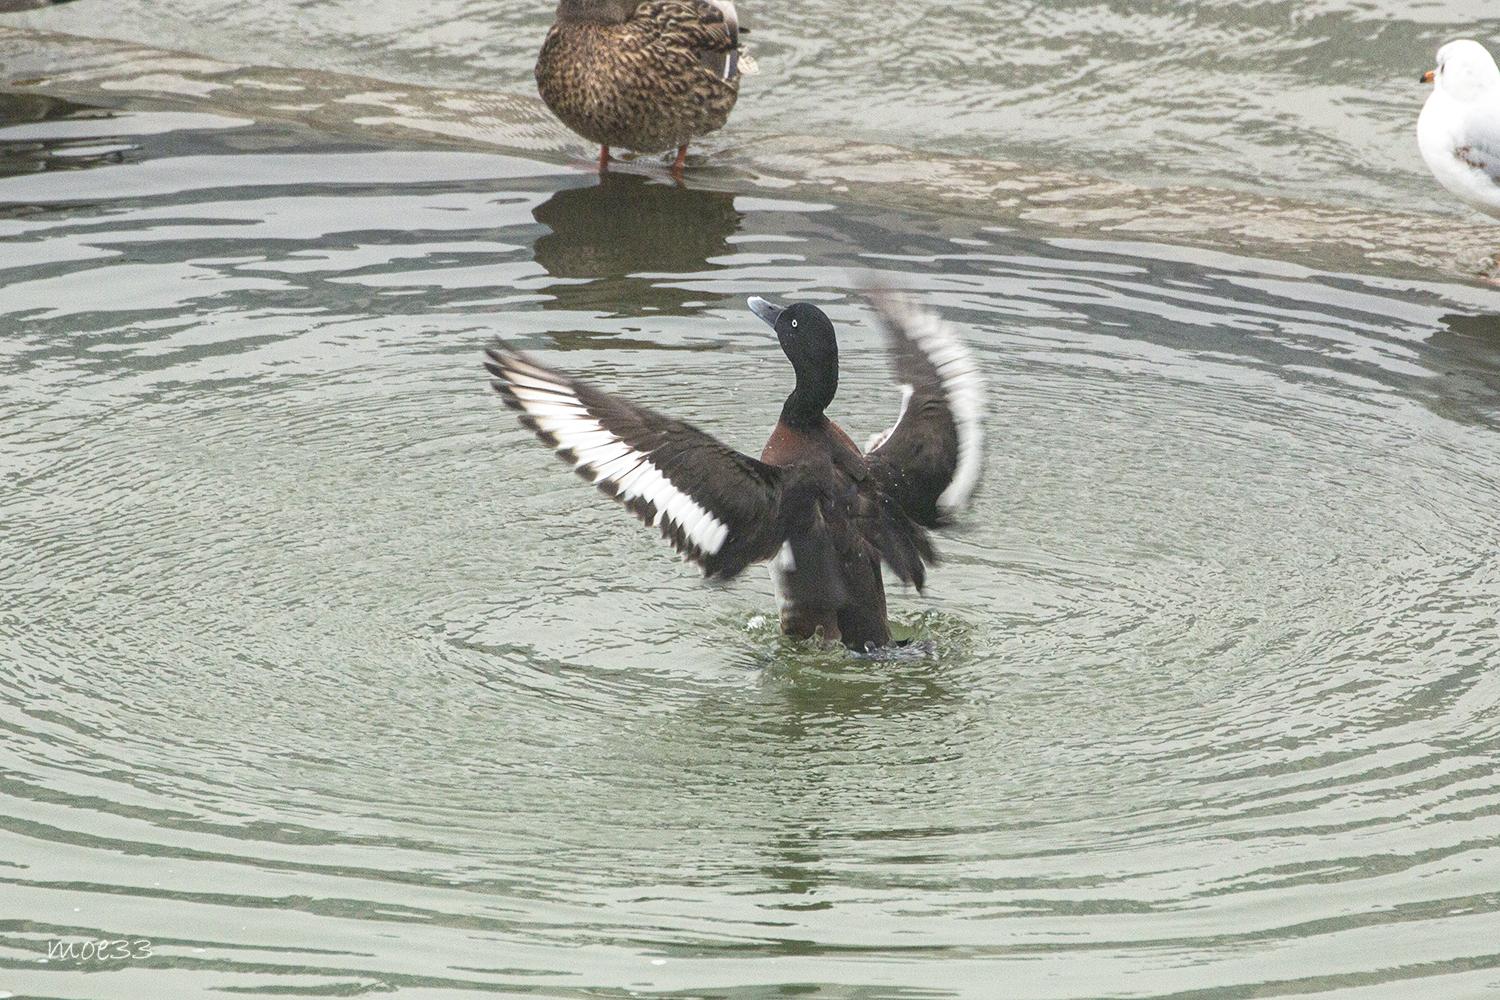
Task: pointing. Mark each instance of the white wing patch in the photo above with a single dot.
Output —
(962, 387)
(881, 437)
(607, 461)
(783, 566)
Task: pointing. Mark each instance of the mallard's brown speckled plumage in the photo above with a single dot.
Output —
(664, 75)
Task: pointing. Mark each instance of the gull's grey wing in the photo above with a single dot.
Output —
(1480, 144)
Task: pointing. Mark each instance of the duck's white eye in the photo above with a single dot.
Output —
(794, 324)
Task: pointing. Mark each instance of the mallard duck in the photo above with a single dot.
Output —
(824, 514)
(646, 75)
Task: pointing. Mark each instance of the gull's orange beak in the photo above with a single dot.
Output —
(1428, 76)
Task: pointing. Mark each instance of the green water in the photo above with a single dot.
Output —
(319, 677)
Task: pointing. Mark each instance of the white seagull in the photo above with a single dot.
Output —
(1459, 129)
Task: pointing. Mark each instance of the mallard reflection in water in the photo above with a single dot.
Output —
(626, 226)
(31, 153)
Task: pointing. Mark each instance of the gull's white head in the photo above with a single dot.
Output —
(1465, 71)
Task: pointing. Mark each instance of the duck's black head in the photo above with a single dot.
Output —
(596, 11)
(807, 338)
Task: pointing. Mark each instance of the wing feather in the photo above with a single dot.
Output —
(931, 459)
(709, 27)
(718, 508)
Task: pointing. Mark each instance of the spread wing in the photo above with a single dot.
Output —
(720, 509)
(930, 460)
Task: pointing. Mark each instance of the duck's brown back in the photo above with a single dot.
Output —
(789, 445)
(641, 85)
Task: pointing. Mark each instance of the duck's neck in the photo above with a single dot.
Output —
(804, 407)
(595, 11)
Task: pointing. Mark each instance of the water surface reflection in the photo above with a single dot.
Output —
(323, 677)
(617, 238)
(27, 145)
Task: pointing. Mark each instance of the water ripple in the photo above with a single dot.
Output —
(322, 677)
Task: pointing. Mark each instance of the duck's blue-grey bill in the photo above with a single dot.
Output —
(768, 311)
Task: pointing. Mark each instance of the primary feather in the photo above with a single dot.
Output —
(931, 458)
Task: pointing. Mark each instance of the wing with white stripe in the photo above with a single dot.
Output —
(718, 508)
(930, 460)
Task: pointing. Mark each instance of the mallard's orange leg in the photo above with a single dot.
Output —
(681, 161)
(603, 158)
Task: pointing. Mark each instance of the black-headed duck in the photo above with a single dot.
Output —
(824, 514)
